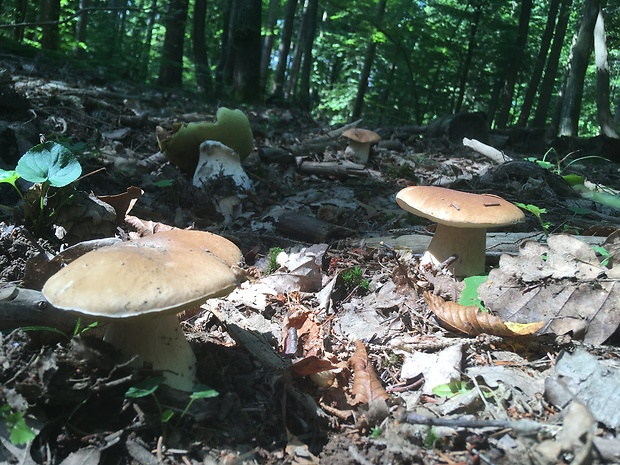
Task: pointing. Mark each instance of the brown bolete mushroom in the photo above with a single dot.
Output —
(462, 221)
(139, 286)
(360, 141)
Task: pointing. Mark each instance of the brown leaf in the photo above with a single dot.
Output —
(122, 203)
(471, 321)
(311, 366)
(366, 385)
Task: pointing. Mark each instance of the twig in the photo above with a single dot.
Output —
(525, 427)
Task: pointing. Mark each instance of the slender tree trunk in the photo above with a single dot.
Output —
(265, 59)
(293, 74)
(539, 66)
(82, 25)
(515, 63)
(224, 69)
(20, 16)
(577, 66)
(199, 45)
(144, 56)
(285, 46)
(471, 45)
(303, 97)
(603, 103)
(369, 57)
(551, 70)
(247, 44)
(171, 68)
(50, 37)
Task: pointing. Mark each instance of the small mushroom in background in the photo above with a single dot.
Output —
(139, 286)
(462, 221)
(217, 162)
(360, 141)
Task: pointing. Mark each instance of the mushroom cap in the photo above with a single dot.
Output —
(148, 276)
(459, 209)
(363, 136)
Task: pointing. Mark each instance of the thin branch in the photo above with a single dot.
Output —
(69, 18)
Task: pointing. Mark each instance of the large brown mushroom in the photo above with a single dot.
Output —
(138, 287)
(462, 221)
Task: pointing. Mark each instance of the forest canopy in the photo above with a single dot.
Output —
(553, 63)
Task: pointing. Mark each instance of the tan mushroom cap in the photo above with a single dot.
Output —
(361, 135)
(458, 209)
(142, 277)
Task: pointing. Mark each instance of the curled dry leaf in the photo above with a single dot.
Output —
(471, 321)
(366, 385)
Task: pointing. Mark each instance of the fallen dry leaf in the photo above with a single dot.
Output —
(471, 321)
(366, 385)
(562, 283)
(122, 203)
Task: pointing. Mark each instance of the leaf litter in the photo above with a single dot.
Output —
(310, 369)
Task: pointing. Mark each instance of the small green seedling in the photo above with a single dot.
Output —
(602, 251)
(353, 278)
(272, 259)
(537, 212)
(148, 386)
(558, 167)
(46, 165)
(19, 432)
(164, 183)
(376, 432)
(469, 296)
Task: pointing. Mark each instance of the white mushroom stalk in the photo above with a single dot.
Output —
(466, 245)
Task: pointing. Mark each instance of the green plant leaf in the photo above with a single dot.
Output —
(574, 179)
(164, 183)
(207, 393)
(19, 431)
(451, 389)
(9, 176)
(144, 388)
(469, 296)
(166, 415)
(49, 162)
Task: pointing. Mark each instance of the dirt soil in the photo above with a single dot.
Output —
(313, 358)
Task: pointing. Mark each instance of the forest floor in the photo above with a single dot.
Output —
(336, 352)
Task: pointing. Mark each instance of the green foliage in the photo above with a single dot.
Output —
(353, 278)
(47, 165)
(469, 296)
(272, 259)
(454, 388)
(376, 432)
(149, 386)
(19, 431)
(559, 165)
(537, 212)
(602, 251)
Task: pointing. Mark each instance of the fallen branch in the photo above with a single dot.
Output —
(486, 150)
(525, 427)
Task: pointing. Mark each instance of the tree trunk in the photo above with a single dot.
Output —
(303, 97)
(247, 45)
(199, 45)
(144, 56)
(367, 66)
(224, 69)
(603, 104)
(515, 63)
(171, 68)
(285, 46)
(553, 61)
(50, 37)
(272, 17)
(539, 66)
(293, 73)
(471, 45)
(577, 66)
(82, 26)
(20, 16)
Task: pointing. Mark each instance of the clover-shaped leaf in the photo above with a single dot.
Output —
(49, 162)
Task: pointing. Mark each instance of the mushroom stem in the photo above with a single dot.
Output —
(159, 341)
(469, 244)
(360, 150)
